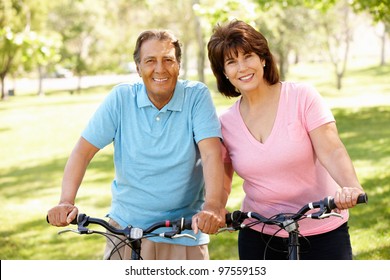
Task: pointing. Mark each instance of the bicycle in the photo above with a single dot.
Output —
(133, 235)
(287, 221)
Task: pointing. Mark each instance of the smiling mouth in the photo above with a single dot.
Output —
(160, 80)
(246, 78)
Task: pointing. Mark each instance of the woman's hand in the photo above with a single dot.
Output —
(347, 197)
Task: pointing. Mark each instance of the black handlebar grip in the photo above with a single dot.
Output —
(362, 198)
(236, 216)
(228, 218)
(187, 224)
(75, 220)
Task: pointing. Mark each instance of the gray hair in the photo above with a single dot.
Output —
(160, 35)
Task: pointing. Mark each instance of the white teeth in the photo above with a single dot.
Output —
(160, 80)
(246, 77)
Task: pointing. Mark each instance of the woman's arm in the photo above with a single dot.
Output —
(333, 155)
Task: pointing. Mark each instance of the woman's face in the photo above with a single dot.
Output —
(245, 71)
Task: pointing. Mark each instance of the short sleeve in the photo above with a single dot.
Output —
(101, 128)
(205, 119)
(316, 111)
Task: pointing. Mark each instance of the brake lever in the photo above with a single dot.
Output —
(230, 229)
(323, 215)
(327, 215)
(183, 235)
(69, 230)
(173, 235)
(80, 230)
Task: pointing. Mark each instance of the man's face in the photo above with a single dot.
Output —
(158, 68)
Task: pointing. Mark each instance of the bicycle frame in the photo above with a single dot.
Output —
(136, 250)
(293, 246)
(293, 242)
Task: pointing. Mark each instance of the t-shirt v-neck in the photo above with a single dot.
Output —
(278, 116)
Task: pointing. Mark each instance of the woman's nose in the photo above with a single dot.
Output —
(242, 65)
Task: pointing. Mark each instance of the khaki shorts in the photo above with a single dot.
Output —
(154, 251)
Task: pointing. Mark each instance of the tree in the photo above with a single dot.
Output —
(12, 29)
(335, 35)
(80, 24)
(22, 41)
(339, 35)
(380, 12)
(209, 13)
(40, 52)
(10, 43)
(288, 31)
(379, 9)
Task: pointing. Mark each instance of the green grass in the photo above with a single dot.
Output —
(37, 135)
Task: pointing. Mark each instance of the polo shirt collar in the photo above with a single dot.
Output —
(175, 104)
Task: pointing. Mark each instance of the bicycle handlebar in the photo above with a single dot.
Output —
(362, 198)
(82, 220)
(326, 205)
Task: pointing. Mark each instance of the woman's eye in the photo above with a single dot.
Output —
(229, 62)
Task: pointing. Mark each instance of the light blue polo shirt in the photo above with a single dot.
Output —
(158, 171)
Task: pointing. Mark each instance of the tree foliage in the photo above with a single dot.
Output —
(90, 36)
(380, 12)
(24, 38)
(379, 9)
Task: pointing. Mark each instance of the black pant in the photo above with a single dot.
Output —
(333, 245)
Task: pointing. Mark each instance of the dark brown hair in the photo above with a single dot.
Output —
(234, 37)
(160, 35)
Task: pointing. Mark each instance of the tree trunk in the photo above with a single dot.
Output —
(3, 91)
(282, 66)
(79, 84)
(383, 46)
(339, 80)
(40, 81)
(184, 62)
(201, 47)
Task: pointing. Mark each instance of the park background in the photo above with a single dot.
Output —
(59, 59)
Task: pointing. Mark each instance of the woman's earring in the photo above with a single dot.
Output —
(227, 77)
(264, 65)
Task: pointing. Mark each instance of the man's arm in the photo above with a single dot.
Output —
(75, 168)
(211, 218)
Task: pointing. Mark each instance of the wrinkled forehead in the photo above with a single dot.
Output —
(156, 47)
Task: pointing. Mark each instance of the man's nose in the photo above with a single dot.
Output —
(159, 66)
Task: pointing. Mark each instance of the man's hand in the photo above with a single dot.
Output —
(62, 214)
(208, 220)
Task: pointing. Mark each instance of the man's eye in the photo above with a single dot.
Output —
(149, 60)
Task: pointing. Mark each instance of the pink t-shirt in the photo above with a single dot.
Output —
(282, 174)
